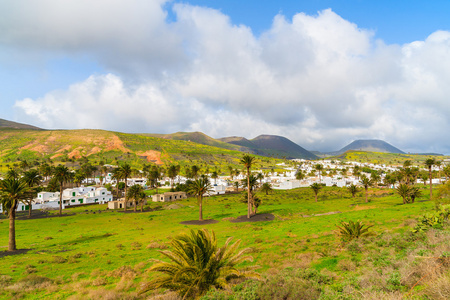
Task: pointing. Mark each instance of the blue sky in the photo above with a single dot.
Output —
(321, 73)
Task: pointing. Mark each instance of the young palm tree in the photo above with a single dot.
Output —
(353, 189)
(32, 179)
(366, 182)
(316, 188)
(430, 162)
(266, 188)
(403, 190)
(248, 161)
(198, 188)
(197, 263)
(61, 175)
(353, 230)
(12, 190)
(414, 192)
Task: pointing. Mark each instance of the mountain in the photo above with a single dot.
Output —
(76, 147)
(370, 146)
(11, 124)
(195, 137)
(272, 146)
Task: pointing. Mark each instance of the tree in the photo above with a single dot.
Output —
(195, 171)
(366, 182)
(153, 176)
(11, 191)
(430, 162)
(299, 175)
(12, 173)
(172, 173)
(266, 188)
(136, 192)
(414, 192)
(260, 177)
(353, 189)
(214, 176)
(319, 168)
(248, 161)
(124, 172)
(316, 187)
(32, 179)
(236, 185)
(198, 188)
(197, 263)
(353, 230)
(61, 175)
(403, 191)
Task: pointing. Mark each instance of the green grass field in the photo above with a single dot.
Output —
(94, 253)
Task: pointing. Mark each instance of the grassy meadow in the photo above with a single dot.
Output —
(95, 253)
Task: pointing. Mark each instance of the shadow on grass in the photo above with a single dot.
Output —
(84, 239)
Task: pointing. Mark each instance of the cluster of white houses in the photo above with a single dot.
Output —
(70, 197)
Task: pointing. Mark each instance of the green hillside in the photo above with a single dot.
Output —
(110, 147)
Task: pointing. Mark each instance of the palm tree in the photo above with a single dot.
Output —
(135, 193)
(260, 177)
(152, 176)
(403, 190)
(197, 263)
(236, 185)
(316, 188)
(32, 179)
(319, 168)
(198, 188)
(172, 172)
(353, 189)
(248, 161)
(366, 182)
(12, 173)
(430, 162)
(214, 176)
(353, 230)
(266, 188)
(61, 175)
(124, 172)
(414, 192)
(195, 171)
(11, 191)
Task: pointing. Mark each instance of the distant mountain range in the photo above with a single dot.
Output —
(264, 145)
(11, 124)
(368, 146)
(271, 145)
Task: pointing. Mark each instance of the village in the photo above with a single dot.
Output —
(296, 173)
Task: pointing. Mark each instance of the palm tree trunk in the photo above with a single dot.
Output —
(315, 196)
(367, 195)
(12, 231)
(60, 199)
(125, 202)
(431, 183)
(29, 208)
(249, 208)
(142, 205)
(135, 205)
(200, 202)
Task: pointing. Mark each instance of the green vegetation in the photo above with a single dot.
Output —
(92, 252)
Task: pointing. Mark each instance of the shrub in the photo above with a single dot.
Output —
(353, 230)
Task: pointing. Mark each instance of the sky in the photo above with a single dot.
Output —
(321, 73)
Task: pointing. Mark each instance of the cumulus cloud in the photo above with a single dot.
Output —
(319, 80)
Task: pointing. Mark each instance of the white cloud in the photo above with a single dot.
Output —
(318, 80)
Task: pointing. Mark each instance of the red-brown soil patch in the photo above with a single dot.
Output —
(152, 156)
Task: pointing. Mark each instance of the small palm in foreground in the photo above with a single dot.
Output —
(197, 264)
(266, 188)
(353, 230)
